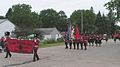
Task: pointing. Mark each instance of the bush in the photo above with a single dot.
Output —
(52, 41)
(49, 41)
(60, 40)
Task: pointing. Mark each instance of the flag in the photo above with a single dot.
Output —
(77, 34)
(20, 46)
(69, 31)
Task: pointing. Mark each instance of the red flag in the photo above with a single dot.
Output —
(77, 34)
(20, 46)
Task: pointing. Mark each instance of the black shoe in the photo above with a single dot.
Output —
(34, 60)
(6, 57)
(10, 56)
(66, 47)
(38, 59)
(85, 49)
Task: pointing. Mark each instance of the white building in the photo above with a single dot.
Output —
(49, 33)
(6, 25)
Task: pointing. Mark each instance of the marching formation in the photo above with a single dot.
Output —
(81, 41)
(84, 41)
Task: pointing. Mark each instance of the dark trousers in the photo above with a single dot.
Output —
(74, 45)
(81, 44)
(85, 46)
(70, 44)
(35, 55)
(66, 45)
(7, 53)
(77, 45)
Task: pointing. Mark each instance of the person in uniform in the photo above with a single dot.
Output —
(100, 40)
(85, 40)
(2, 43)
(74, 43)
(5, 43)
(66, 41)
(70, 43)
(115, 37)
(35, 47)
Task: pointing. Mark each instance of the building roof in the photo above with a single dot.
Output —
(2, 20)
(46, 31)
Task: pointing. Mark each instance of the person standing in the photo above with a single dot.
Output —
(6, 45)
(74, 43)
(35, 47)
(2, 43)
(85, 40)
(65, 40)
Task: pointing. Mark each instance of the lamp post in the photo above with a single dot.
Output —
(82, 21)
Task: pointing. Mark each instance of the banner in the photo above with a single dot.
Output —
(20, 46)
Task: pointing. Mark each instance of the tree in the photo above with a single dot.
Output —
(106, 25)
(61, 25)
(111, 20)
(9, 13)
(49, 18)
(22, 16)
(114, 5)
(88, 19)
(103, 25)
(98, 23)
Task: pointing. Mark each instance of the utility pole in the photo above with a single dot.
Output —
(82, 22)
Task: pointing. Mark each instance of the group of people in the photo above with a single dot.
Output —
(116, 36)
(83, 41)
(4, 46)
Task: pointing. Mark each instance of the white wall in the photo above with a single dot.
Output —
(6, 26)
(46, 37)
(53, 36)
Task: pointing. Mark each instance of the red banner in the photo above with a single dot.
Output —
(20, 46)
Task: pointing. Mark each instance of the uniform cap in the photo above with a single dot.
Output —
(7, 33)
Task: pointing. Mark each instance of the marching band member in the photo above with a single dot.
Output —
(74, 43)
(66, 41)
(35, 48)
(5, 43)
(2, 43)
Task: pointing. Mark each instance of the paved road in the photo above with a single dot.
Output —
(108, 55)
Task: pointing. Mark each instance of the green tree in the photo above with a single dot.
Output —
(9, 13)
(98, 23)
(88, 19)
(114, 5)
(61, 25)
(22, 16)
(102, 24)
(49, 18)
(111, 20)
(106, 25)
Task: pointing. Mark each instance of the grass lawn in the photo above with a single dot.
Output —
(50, 45)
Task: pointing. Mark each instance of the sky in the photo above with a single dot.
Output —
(68, 6)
